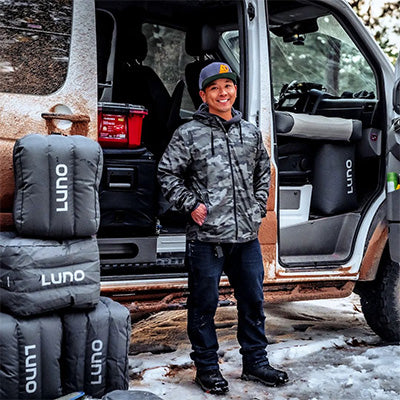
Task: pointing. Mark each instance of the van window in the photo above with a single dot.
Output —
(34, 45)
(167, 57)
(231, 40)
(229, 46)
(327, 57)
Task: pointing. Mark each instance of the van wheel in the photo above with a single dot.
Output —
(380, 300)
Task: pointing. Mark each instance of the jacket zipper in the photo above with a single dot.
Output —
(233, 180)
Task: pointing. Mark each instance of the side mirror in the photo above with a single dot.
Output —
(396, 96)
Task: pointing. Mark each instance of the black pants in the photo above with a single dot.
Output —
(243, 265)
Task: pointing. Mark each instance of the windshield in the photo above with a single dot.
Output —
(327, 57)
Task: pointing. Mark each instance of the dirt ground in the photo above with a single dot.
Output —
(166, 331)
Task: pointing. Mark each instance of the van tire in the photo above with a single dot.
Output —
(380, 300)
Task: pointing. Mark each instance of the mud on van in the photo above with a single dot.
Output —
(125, 73)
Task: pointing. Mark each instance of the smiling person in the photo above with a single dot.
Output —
(216, 169)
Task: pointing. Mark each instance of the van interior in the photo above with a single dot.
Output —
(328, 122)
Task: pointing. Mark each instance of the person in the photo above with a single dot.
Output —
(216, 169)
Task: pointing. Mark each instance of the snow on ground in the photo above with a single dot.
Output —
(325, 346)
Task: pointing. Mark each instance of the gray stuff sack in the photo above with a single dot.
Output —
(39, 276)
(96, 345)
(30, 352)
(130, 395)
(334, 189)
(56, 186)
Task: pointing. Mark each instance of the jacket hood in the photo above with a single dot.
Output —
(214, 121)
(203, 115)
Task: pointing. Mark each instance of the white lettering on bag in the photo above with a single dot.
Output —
(62, 187)
(349, 176)
(62, 277)
(30, 369)
(95, 365)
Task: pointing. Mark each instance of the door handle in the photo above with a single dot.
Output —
(66, 117)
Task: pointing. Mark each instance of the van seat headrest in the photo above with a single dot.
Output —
(201, 40)
(137, 46)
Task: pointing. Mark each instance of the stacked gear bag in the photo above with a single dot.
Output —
(43, 357)
(56, 181)
(30, 353)
(57, 335)
(39, 276)
(96, 345)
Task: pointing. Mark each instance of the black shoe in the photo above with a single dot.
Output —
(265, 374)
(211, 381)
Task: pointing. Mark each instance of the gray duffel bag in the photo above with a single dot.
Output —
(30, 352)
(96, 345)
(38, 276)
(56, 186)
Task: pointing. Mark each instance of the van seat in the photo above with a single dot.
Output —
(139, 84)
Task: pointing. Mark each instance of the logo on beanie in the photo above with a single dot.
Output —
(223, 69)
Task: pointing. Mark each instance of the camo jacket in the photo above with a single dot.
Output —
(226, 168)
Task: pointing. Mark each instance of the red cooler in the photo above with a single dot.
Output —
(120, 125)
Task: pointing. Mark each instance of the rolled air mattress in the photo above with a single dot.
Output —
(30, 351)
(38, 276)
(56, 186)
(96, 347)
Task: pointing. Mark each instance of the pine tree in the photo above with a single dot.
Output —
(383, 22)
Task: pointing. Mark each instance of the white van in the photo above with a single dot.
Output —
(125, 72)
